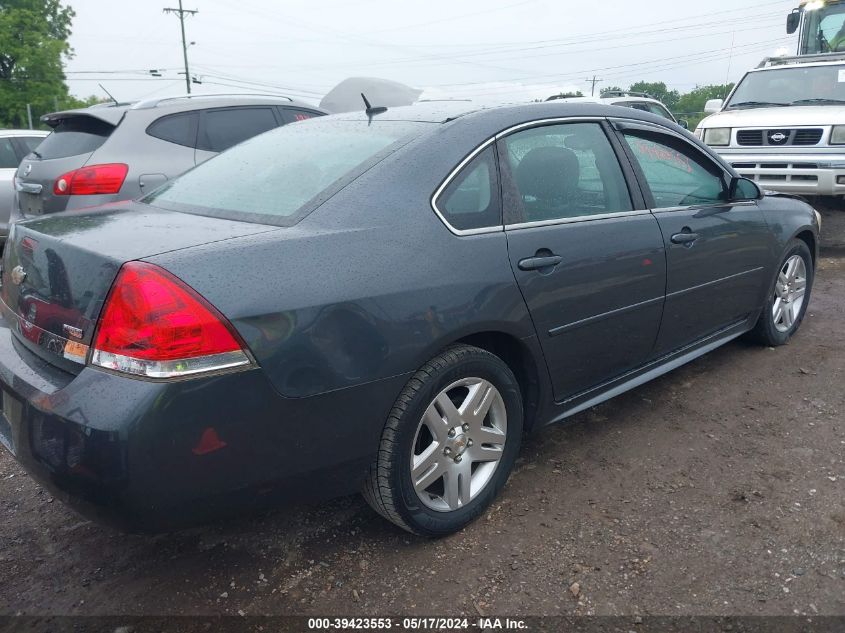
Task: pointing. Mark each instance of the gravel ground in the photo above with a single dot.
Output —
(717, 489)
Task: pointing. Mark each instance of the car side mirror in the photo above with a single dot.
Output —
(713, 105)
(792, 21)
(743, 189)
(683, 123)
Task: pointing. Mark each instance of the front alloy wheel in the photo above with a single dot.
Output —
(788, 298)
(790, 290)
(449, 443)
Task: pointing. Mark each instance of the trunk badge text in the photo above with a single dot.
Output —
(71, 331)
(18, 275)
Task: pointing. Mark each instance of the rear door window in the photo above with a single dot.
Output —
(563, 171)
(75, 136)
(8, 158)
(180, 129)
(222, 129)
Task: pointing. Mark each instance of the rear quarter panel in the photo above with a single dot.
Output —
(369, 286)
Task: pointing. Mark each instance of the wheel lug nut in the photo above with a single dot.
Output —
(465, 427)
(458, 459)
(451, 432)
(447, 451)
(469, 442)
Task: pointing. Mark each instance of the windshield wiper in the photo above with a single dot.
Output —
(756, 104)
(808, 101)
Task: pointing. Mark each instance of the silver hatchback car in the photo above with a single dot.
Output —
(108, 153)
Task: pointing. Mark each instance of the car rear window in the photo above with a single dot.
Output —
(75, 136)
(272, 178)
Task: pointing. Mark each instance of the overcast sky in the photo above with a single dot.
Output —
(486, 50)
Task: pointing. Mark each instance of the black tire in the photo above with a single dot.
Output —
(766, 331)
(389, 488)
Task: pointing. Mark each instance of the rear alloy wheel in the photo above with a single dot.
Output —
(449, 444)
(787, 302)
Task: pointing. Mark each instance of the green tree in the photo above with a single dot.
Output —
(611, 89)
(33, 46)
(691, 105)
(659, 91)
(565, 95)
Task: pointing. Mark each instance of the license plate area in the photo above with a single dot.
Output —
(9, 421)
(31, 204)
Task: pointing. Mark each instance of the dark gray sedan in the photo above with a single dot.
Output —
(386, 301)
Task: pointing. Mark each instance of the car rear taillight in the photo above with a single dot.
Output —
(91, 181)
(155, 325)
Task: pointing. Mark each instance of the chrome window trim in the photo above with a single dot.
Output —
(448, 181)
(703, 207)
(453, 174)
(576, 220)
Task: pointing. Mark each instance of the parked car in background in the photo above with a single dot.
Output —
(107, 153)
(380, 301)
(14, 146)
(783, 125)
(637, 100)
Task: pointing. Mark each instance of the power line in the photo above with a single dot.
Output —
(182, 13)
(593, 81)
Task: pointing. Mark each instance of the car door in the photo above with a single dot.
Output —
(173, 156)
(715, 249)
(587, 255)
(222, 128)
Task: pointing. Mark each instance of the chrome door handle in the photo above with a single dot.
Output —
(685, 239)
(538, 263)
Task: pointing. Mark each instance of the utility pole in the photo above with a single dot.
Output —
(182, 13)
(593, 81)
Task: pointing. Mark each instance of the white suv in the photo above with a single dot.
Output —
(783, 125)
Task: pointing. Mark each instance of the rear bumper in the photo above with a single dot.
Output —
(807, 174)
(150, 456)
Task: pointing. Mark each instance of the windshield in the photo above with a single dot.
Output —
(806, 85)
(823, 30)
(272, 178)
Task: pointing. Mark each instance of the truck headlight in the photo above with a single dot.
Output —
(717, 136)
(837, 135)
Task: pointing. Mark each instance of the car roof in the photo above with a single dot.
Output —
(610, 100)
(112, 113)
(811, 61)
(446, 112)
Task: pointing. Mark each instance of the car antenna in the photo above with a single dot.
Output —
(109, 94)
(370, 110)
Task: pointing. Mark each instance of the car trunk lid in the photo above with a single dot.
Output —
(57, 270)
(76, 136)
